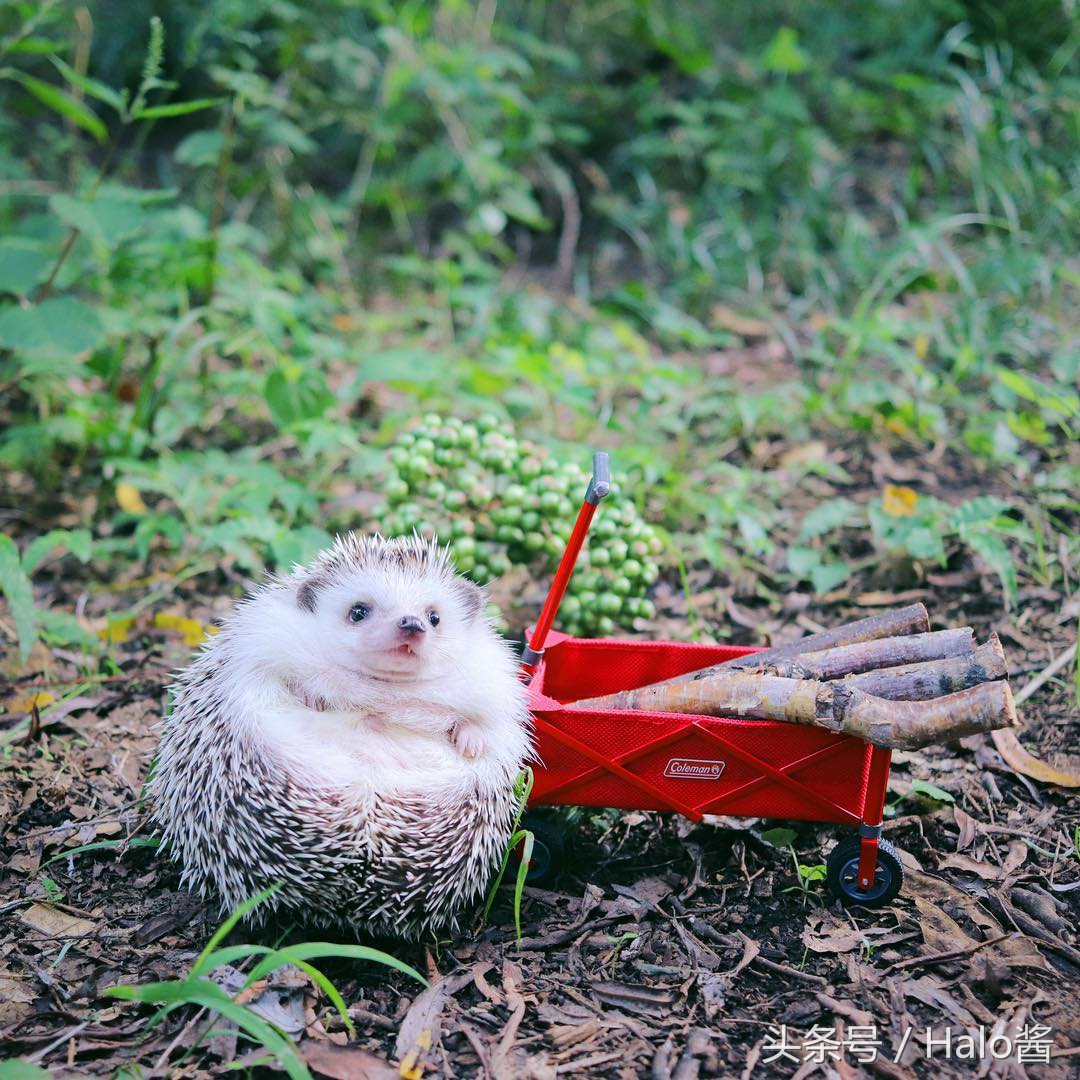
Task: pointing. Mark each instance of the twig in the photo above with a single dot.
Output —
(782, 969)
(1060, 661)
(160, 1063)
(950, 954)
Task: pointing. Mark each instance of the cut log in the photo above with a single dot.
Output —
(837, 706)
(868, 655)
(918, 682)
(895, 623)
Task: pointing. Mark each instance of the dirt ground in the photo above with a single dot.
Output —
(662, 949)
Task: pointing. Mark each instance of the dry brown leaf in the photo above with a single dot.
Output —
(966, 824)
(824, 933)
(1019, 760)
(646, 1000)
(960, 861)
(941, 933)
(1014, 951)
(56, 923)
(13, 989)
(746, 326)
(345, 1062)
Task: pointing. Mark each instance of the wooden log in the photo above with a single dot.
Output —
(868, 655)
(935, 678)
(896, 622)
(836, 706)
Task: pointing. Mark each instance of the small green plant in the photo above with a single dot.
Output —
(806, 876)
(620, 943)
(504, 502)
(32, 622)
(523, 786)
(200, 990)
(922, 526)
(53, 892)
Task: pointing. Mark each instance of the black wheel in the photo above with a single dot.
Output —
(549, 847)
(842, 874)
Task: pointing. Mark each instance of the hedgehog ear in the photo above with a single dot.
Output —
(307, 594)
(473, 598)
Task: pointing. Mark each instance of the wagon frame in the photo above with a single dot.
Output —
(690, 764)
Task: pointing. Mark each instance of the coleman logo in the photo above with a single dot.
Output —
(682, 768)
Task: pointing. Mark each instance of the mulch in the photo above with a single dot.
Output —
(662, 948)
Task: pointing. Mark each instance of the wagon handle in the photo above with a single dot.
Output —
(599, 488)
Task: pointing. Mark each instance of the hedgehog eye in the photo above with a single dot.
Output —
(359, 612)
(433, 618)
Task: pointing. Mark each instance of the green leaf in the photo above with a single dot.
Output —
(529, 841)
(925, 543)
(21, 1070)
(826, 576)
(779, 837)
(296, 393)
(176, 108)
(64, 103)
(314, 950)
(406, 366)
(61, 326)
(104, 845)
(106, 220)
(783, 53)
(201, 964)
(77, 541)
(932, 791)
(15, 585)
(200, 148)
(91, 87)
(802, 560)
(992, 550)
(208, 995)
(22, 267)
(826, 517)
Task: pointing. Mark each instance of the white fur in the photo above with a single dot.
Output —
(456, 705)
(374, 783)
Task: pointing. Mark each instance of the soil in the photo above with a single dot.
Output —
(660, 949)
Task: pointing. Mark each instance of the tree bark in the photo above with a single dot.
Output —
(894, 623)
(837, 706)
(935, 678)
(868, 655)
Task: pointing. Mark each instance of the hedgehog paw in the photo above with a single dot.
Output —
(469, 740)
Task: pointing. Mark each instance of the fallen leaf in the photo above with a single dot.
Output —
(117, 630)
(29, 702)
(824, 933)
(193, 631)
(726, 318)
(1019, 760)
(941, 933)
(14, 989)
(56, 923)
(655, 1001)
(129, 499)
(959, 861)
(899, 501)
(345, 1062)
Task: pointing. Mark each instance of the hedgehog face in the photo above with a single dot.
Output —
(389, 624)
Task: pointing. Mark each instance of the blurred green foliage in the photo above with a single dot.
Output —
(243, 245)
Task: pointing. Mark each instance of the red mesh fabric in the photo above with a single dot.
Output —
(672, 761)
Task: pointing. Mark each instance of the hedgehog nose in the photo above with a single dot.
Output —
(410, 624)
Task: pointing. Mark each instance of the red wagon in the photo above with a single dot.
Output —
(693, 765)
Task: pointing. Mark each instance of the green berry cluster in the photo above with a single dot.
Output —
(501, 501)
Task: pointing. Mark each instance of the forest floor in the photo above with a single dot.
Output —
(662, 948)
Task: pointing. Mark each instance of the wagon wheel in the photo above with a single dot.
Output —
(842, 874)
(549, 847)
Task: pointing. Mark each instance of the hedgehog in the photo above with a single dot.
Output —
(352, 734)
